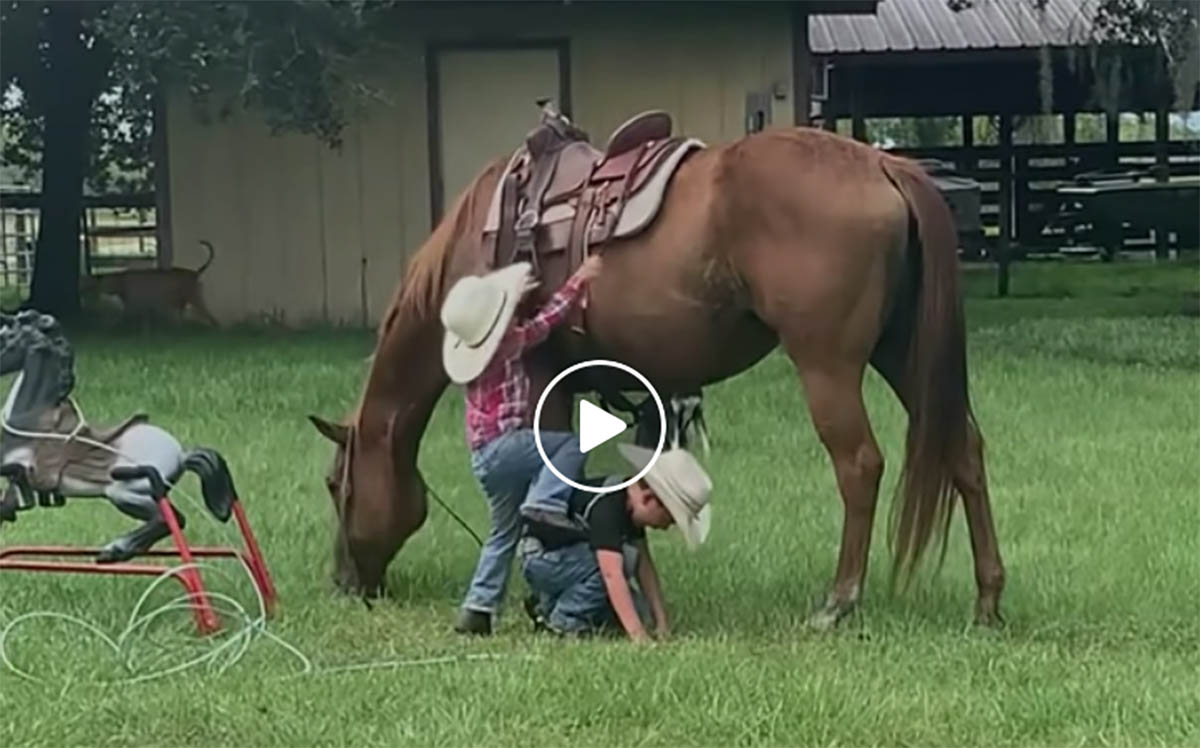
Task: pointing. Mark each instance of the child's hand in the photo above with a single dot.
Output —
(590, 268)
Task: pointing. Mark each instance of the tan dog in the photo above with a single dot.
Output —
(149, 294)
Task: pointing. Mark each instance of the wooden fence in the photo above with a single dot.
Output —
(115, 230)
(1029, 176)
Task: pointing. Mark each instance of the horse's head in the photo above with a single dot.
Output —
(13, 342)
(31, 337)
(26, 330)
(376, 510)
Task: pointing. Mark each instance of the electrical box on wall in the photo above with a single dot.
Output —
(758, 111)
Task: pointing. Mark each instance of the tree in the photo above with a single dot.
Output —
(58, 70)
(1170, 26)
(81, 81)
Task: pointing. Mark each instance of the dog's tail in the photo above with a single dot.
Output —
(216, 482)
(207, 262)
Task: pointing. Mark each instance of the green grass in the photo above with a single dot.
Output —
(1087, 393)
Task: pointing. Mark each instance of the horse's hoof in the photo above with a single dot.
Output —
(823, 620)
(828, 617)
(355, 588)
(989, 618)
(113, 554)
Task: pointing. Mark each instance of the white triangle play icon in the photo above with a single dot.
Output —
(596, 426)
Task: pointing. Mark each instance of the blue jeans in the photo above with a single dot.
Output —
(569, 587)
(510, 471)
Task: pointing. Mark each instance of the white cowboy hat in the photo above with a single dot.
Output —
(682, 486)
(476, 314)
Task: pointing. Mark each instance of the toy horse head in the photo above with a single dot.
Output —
(30, 331)
(12, 344)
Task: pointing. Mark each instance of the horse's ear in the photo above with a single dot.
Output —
(335, 432)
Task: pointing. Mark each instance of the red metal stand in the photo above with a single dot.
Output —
(15, 558)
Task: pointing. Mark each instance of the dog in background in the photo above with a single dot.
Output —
(151, 294)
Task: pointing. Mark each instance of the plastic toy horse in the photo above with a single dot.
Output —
(49, 452)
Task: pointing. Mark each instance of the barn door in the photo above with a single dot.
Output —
(484, 101)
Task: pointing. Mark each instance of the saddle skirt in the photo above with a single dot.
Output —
(80, 456)
(559, 196)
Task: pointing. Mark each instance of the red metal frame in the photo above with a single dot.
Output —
(207, 621)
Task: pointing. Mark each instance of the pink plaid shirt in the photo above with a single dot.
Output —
(498, 399)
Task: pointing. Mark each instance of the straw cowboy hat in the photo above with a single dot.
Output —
(476, 314)
(682, 486)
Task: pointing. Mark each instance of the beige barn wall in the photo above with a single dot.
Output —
(306, 235)
(302, 233)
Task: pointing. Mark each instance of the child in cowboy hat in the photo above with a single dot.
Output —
(582, 578)
(484, 349)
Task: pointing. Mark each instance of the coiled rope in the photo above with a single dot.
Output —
(245, 628)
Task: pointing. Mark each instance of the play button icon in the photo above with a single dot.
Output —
(597, 426)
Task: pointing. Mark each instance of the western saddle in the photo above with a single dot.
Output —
(560, 196)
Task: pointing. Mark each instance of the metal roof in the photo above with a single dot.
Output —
(930, 25)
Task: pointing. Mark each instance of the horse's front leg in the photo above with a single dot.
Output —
(51, 498)
(9, 503)
(19, 495)
(139, 505)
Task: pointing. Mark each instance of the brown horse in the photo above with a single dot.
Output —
(842, 253)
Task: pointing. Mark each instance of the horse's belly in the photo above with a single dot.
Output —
(684, 351)
(79, 488)
(146, 444)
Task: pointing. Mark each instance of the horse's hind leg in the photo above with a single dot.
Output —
(835, 402)
(139, 506)
(970, 480)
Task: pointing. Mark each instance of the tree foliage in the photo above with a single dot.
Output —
(31, 57)
(81, 81)
(293, 61)
(1171, 26)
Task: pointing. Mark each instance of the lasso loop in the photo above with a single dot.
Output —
(227, 649)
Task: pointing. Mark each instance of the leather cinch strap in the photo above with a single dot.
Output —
(528, 220)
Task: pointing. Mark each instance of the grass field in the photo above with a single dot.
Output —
(1085, 383)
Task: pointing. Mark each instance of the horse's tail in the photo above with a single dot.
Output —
(939, 407)
(216, 482)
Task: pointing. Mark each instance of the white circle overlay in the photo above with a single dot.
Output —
(662, 420)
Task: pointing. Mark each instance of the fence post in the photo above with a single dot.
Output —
(968, 162)
(1112, 137)
(1162, 159)
(1003, 250)
(858, 124)
(4, 254)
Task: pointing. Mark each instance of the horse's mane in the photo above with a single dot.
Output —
(420, 292)
(40, 332)
(424, 281)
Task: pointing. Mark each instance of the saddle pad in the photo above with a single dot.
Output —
(642, 206)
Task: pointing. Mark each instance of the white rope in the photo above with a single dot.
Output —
(232, 646)
(54, 435)
(66, 438)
